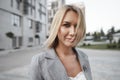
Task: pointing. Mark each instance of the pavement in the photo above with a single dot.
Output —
(20, 73)
(104, 66)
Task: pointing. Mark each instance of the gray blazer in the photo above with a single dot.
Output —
(47, 66)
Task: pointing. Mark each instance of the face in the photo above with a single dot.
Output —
(66, 33)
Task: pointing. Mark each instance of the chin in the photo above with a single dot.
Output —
(69, 45)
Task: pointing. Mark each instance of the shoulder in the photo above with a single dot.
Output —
(37, 65)
(40, 56)
(81, 53)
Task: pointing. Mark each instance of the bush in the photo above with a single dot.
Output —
(108, 46)
(118, 45)
(119, 41)
(84, 44)
(114, 42)
(89, 44)
(113, 45)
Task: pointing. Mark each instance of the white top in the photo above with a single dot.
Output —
(79, 76)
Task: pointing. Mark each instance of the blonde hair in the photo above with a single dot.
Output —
(52, 40)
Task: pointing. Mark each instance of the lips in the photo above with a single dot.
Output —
(70, 39)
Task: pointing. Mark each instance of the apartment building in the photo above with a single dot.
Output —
(23, 23)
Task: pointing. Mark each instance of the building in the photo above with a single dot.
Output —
(23, 23)
(53, 6)
(89, 38)
(116, 37)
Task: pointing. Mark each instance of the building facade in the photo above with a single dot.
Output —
(23, 23)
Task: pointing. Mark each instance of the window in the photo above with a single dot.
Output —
(50, 20)
(49, 12)
(18, 2)
(26, 6)
(30, 23)
(14, 42)
(16, 20)
(30, 7)
(54, 4)
(30, 39)
(38, 26)
(33, 7)
(20, 41)
(11, 3)
(40, 10)
(54, 11)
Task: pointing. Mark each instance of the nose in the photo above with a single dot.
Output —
(72, 31)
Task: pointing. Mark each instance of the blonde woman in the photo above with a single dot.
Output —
(62, 60)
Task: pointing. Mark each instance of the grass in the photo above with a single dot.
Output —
(99, 46)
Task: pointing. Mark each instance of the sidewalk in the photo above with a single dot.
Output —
(19, 50)
(20, 73)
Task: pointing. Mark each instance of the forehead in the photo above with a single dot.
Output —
(70, 16)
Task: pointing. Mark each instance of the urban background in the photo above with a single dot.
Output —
(24, 26)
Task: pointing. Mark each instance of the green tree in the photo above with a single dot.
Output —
(96, 36)
(110, 37)
(113, 30)
(102, 32)
(88, 34)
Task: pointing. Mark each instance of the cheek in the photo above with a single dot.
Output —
(62, 32)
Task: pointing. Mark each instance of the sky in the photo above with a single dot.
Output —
(100, 14)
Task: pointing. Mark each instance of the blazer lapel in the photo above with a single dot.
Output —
(55, 67)
(84, 64)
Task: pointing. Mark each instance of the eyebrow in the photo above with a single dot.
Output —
(65, 22)
(68, 22)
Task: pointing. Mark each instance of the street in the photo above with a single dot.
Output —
(104, 64)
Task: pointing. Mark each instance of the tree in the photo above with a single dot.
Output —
(96, 36)
(113, 30)
(102, 33)
(110, 37)
(88, 34)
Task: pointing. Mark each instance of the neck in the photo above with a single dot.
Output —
(64, 50)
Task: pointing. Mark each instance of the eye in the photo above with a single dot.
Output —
(75, 25)
(66, 25)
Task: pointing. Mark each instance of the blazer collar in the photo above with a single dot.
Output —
(56, 68)
(51, 54)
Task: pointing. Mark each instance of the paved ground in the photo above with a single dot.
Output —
(104, 65)
(14, 63)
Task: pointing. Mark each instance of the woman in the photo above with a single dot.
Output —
(62, 60)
